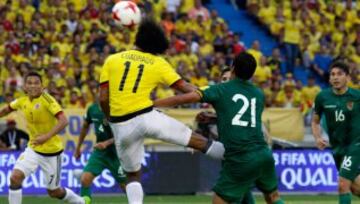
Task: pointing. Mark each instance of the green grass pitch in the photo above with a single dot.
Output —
(198, 199)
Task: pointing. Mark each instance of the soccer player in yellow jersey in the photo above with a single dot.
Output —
(127, 79)
(45, 119)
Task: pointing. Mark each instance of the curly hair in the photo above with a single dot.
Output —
(151, 37)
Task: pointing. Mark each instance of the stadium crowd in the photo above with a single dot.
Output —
(67, 42)
(313, 34)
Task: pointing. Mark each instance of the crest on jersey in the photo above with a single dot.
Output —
(350, 105)
(37, 106)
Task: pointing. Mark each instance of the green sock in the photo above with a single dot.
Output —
(85, 191)
(248, 198)
(345, 198)
(279, 202)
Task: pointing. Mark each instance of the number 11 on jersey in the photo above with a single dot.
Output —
(138, 78)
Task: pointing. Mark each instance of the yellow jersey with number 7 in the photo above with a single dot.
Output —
(40, 114)
(132, 75)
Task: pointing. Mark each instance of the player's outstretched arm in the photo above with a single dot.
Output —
(104, 144)
(62, 122)
(83, 132)
(6, 110)
(191, 97)
(316, 130)
(184, 87)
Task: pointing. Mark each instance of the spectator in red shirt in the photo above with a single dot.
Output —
(238, 46)
(167, 23)
(12, 43)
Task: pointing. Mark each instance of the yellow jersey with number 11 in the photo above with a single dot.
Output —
(132, 75)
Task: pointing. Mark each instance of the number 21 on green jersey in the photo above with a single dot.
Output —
(237, 118)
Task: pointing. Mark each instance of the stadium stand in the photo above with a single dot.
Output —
(67, 42)
(315, 32)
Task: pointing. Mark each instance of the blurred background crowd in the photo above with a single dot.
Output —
(67, 42)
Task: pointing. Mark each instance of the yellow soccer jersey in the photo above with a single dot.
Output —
(40, 117)
(292, 31)
(262, 73)
(309, 93)
(132, 75)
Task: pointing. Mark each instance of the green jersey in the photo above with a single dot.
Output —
(354, 127)
(95, 116)
(349, 168)
(239, 106)
(336, 109)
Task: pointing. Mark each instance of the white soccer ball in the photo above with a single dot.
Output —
(126, 13)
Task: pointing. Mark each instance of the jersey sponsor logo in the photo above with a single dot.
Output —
(330, 106)
(350, 105)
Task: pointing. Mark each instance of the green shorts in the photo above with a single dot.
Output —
(338, 158)
(243, 171)
(101, 160)
(349, 168)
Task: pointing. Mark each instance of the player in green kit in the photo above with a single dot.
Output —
(336, 105)
(104, 154)
(247, 161)
(349, 170)
(248, 198)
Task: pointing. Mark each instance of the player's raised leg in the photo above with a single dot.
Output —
(163, 127)
(212, 148)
